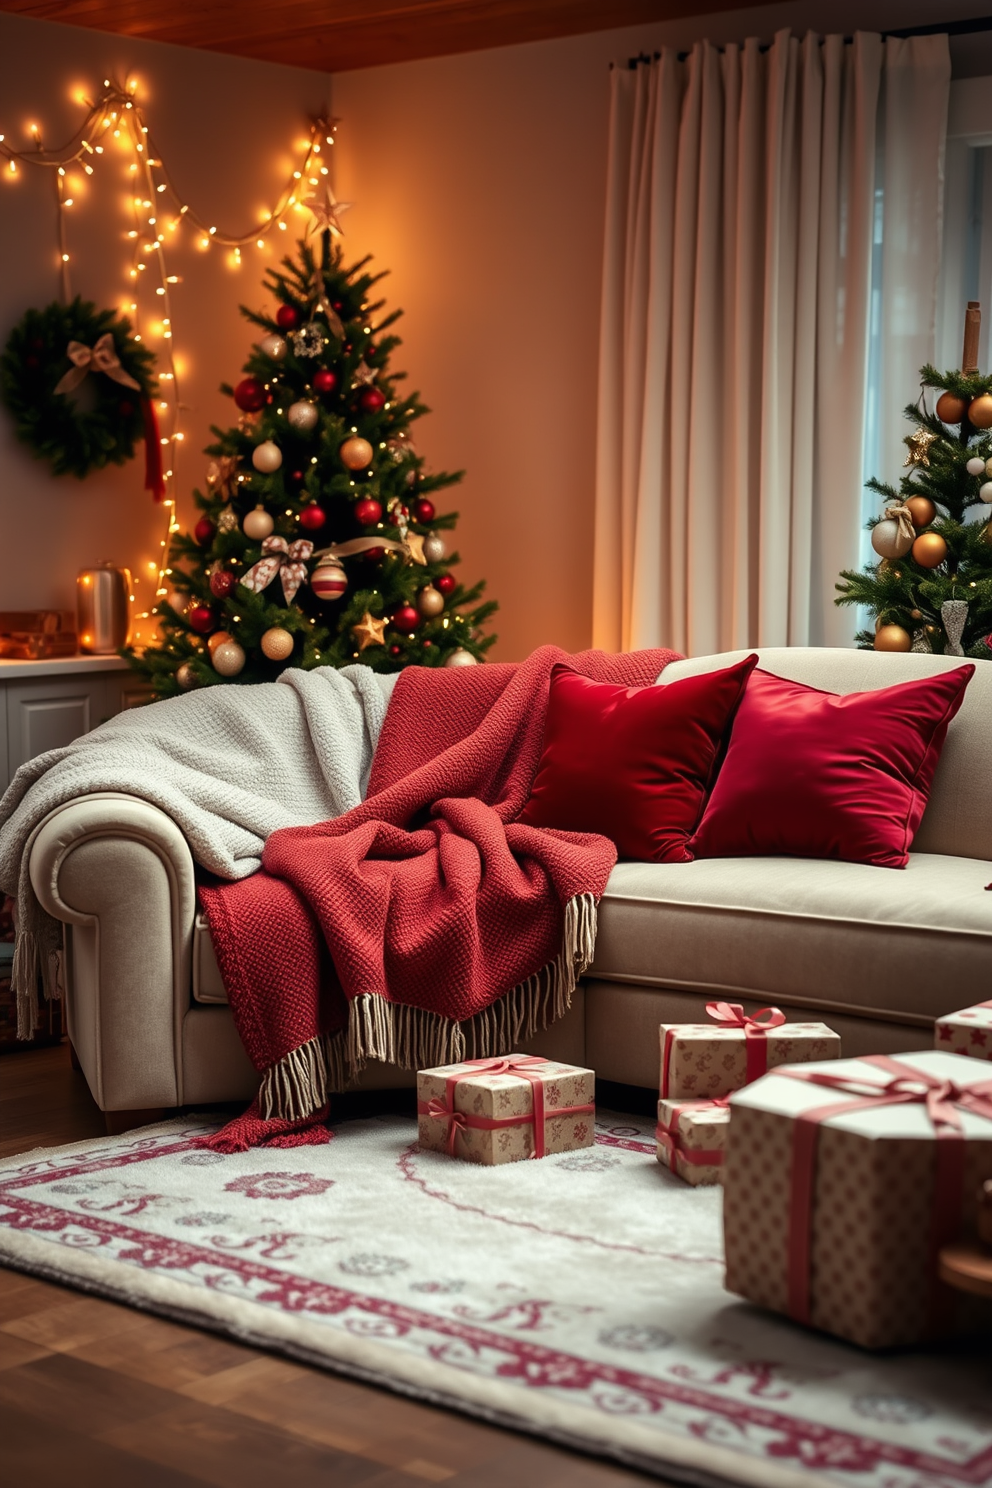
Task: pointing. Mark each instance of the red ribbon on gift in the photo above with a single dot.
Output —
(732, 1015)
(943, 1100)
(670, 1138)
(528, 1066)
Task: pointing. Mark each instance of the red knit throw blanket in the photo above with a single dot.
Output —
(424, 926)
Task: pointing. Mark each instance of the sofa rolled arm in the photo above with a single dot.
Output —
(118, 872)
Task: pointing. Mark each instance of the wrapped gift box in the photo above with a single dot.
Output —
(692, 1136)
(967, 1032)
(703, 1061)
(838, 1195)
(506, 1109)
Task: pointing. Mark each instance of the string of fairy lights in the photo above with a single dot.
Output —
(157, 211)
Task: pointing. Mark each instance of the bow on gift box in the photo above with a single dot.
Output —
(101, 357)
(943, 1100)
(732, 1015)
(670, 1137)
(528, 1067)
(281, 557)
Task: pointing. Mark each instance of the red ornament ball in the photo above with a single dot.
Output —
(368, 511)
(374, 555)
(312, 517)
(395, 650)
(297, 477)
(427, 642)
(250, 395)
(406, 619)
(204, 531)
(325, 381)
(201, 619)
(423, 510)
(287, 317)
(222, 582)
(446, 584)
(371, 400)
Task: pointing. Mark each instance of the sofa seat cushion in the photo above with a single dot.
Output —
(906, 946)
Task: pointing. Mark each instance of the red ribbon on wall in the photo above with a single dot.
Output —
(528, 1067)
(905, 1086)
(154, 478)
(732, 1015)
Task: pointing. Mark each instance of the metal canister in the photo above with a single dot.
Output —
(103, 603)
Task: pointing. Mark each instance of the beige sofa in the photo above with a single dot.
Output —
(876, 952)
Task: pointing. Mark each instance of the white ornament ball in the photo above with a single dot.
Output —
(302, 415)
(430, 601)
(277, 643)
(434, 549)
(985, 492)
(176, 601)
(888, 541)
(257, 524)
(975, 466)
(228, 659)
(273, 346)
(460, 658)
(266, 457)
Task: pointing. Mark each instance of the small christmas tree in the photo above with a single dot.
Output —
(932, 587)
(318, 543)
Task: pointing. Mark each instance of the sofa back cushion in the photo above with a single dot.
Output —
(958, 817)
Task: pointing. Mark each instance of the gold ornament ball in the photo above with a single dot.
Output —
(277, 643)
(356, 453)
(916, 615)
(430, 601)
(266, 457)
(219, 638)
(950, 409)
(988, 467)
(460, 658)
(929, 549)
(980, 411)
(887, 539)
(257, 524)
(892, 638)
(922, 510)
(186, 677)
(228, 659)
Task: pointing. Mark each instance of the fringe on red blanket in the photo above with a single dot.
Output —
(414, 1038)
(252, 1129)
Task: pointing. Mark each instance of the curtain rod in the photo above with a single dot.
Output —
(968, 27)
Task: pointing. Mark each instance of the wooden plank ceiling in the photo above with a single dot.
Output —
(338, 35)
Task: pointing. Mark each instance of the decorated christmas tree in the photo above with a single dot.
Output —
(931, 589)
(318, 542)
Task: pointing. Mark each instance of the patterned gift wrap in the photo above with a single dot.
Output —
(505, 1109)
(841, 1183)
(692, 1137)
(967, 1032)
(703, 1061)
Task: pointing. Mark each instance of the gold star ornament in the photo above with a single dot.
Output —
(918, 445)
(327, 211)
(415, 547)
(369, 632)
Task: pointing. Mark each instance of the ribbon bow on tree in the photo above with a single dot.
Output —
(101, 357)
(283, 558)
(222, 475)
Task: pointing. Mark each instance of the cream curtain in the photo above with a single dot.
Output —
(734, 327)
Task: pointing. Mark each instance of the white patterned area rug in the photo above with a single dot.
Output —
(578, 1298)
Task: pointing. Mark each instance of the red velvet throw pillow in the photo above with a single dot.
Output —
(633, 763)
(811, 774)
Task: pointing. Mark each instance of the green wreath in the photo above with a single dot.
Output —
(39, 375)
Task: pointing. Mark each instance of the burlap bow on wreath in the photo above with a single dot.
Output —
(102, 357)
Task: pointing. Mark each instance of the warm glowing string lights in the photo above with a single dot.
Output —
(157, 210)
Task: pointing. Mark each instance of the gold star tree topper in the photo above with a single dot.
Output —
(369, 632)
(327, 212)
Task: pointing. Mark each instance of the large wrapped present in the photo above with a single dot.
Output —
(691, 1138)
(843, 1181)
(505, 1109)
(967, 1032)
(703, 1061)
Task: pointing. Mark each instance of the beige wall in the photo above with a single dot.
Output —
(480, 184)
(225, 127)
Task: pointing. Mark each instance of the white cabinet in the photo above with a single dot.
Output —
(45, 704)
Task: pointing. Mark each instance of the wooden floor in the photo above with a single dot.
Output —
(94, 1395)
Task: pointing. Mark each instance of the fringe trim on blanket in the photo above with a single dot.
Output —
(414, 1038)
